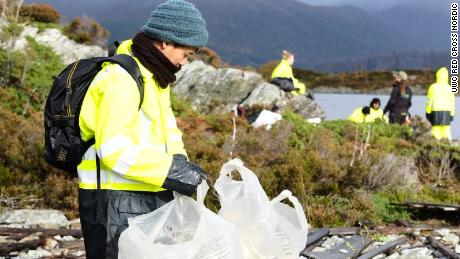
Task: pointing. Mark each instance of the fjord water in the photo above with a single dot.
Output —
(340, 106)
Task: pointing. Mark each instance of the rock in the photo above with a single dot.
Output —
(379, 256)
(75, 224)
(419, 252)
(49, 243)
(78, 253)
(343, 251)
(4, 239)
(457, 249)
(442, 232)
(218, 90)
(67, 49)
(39, 253)
(332, 241)
(34, 218)
(306, 107)
(451, 239)
(266, 95)
(65, 238)
(214, 90)
(319, 249)
(393, 256)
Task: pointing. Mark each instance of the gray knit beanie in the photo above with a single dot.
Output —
(177, 21)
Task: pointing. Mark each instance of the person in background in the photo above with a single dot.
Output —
(400, 100)
(440, 105)
(369, 113)
(375, 112)
(283, 76)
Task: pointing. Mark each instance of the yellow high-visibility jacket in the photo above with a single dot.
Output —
(376, 115)
(135, 146)
(284, 69)
(440, 105)
(358, 116)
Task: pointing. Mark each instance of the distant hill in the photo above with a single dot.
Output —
(252, 32)
(414, 59)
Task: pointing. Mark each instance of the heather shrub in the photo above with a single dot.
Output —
(87, 30)
(40, 13)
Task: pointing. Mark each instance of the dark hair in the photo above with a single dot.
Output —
(366, 110)
(375, 100)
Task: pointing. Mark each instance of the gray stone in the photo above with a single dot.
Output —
(39, 253)
(451, 239)
(442, 232)
(419, 252)
(67, 49)
(332, 241)
(306, 107)
(33, 218)
(218, 90)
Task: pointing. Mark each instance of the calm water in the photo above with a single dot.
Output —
(340, 106)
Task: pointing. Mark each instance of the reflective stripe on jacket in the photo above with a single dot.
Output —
(284, 69)
(135, 146)
(440, 105)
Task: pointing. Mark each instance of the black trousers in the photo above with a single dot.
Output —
(104, 215)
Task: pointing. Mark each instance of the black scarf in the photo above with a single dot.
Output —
(156, 62)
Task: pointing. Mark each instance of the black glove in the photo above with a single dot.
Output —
(183, 176)
(366, 110)
(451, 118)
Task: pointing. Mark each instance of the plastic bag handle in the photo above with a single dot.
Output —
(297, 206)
(201, 192)
(246, 174)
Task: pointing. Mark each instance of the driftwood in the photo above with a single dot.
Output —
(426, 205)
(445, 250)
(46, 232)
(7, 248)
(383, 230)
(382, 249)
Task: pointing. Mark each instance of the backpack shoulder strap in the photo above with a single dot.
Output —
(113, 48)
(130, 65)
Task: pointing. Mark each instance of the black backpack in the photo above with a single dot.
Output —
(64, 147)
(284, 83)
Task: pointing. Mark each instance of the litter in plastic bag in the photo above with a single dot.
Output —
(267, 229)
(181, 229)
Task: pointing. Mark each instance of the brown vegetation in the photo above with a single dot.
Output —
(87, 30)
(40, 13)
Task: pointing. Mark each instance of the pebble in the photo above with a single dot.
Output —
(457, 249)
(333, 241)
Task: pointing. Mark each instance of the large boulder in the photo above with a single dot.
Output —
(307, 107)
(218, 90)
(214, 90)
(34, 218)
(67, 49)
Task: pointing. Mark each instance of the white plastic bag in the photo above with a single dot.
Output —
(267, 229)
(181, 229)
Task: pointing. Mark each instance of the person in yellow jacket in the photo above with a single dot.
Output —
(283, 76)
(440, 105)
(138, 158)
(369, 113)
